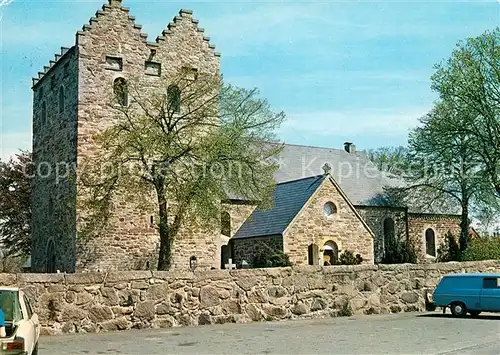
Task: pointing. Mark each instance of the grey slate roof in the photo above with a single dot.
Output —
(288, 198)
(356, 175)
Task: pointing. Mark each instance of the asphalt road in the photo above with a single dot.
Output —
(408, 333)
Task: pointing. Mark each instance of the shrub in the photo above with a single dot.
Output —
(345, 310)
(347, 258)
(449, 250)
(482, 249)
(400, 252)
(272, 258)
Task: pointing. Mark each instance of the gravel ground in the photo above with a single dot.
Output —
(408, 333)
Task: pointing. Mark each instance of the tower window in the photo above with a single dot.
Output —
(190, 73)
(174, 98)
(114, 63)
(153, 68)
(44, 113)
(61, 99)
(120, 90)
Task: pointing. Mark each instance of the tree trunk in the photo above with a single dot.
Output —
(166, 242)
(464, 225)
(165, 254)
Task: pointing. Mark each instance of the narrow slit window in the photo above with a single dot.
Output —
(61, 99)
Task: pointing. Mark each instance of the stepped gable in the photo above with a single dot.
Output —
(86, 28)
(185, 15)
(52, 63)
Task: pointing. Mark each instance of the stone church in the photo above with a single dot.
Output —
(326, 200)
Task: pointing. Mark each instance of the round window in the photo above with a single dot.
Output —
(329, 209)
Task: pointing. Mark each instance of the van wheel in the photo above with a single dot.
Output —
(458, 309)
(35, 349)
(474, 313)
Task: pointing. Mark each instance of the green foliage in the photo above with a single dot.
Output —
(400, 252)
(15, 205)
(271, 258)
(12, 264)
(347, 257)
(468, 82)
(345, 310)
(455, 152)
(449, 250)
(181, 165)
(394, 160)
(482, 249)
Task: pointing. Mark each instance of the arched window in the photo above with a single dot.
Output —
(44, 113)
(174, 98)
(225, 224)
(120, 90)
(430, 242)
(61, 99)
(389, 234)
(50, 262)
(330, 253)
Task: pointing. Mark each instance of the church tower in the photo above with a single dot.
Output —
(70, 105)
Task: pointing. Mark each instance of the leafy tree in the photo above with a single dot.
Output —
(449, 250)
(469, 81)
(446, 164)
(393, 160)
(15, 207)
(183, 152)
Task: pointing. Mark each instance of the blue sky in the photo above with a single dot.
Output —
(341, 70)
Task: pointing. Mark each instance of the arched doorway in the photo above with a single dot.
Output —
(50, 262)
(330, 253)
(312, 254)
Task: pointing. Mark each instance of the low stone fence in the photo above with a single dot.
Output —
(94, 302)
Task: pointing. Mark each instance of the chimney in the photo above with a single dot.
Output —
(349, 147)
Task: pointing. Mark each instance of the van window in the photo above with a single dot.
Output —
(491, 282)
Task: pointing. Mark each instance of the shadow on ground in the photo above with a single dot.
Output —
(479, 317)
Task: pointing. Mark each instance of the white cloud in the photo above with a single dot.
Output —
(11, 143)
(375, 122)
(5, 2)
